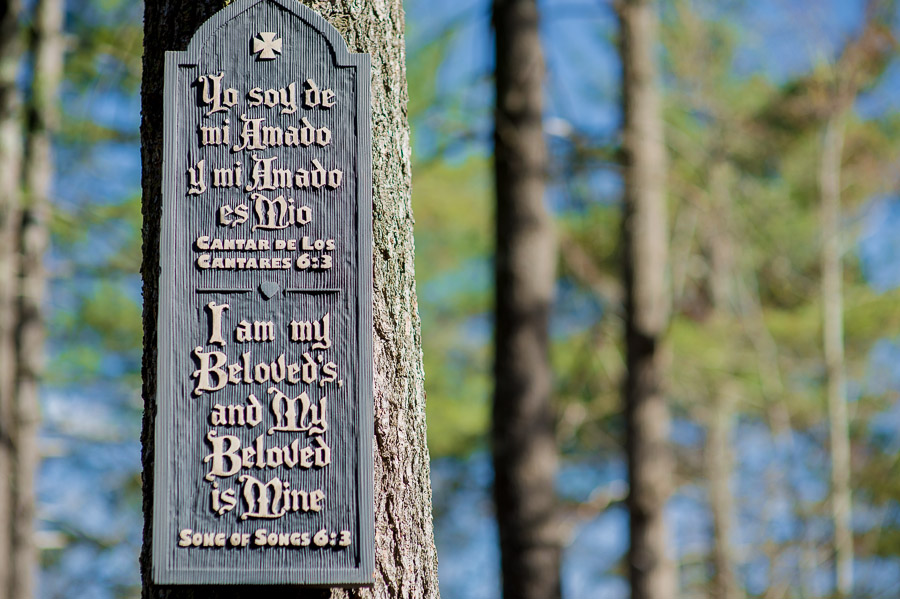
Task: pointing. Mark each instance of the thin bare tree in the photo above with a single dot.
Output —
(720, 421)
(861, 60)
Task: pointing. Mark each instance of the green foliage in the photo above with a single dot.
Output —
(100, 250)
(452, 247)
(105, 320)
(107, 48)
(423, 75)
(588, 363)
(765, 344)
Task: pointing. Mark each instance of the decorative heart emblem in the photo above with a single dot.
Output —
(269, 288)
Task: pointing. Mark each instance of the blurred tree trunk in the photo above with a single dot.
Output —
(47, 49)
(645, 254)
(719, 460)
(833, 344)
(862, 62)
(720, 469)
(10, 182)
(828, 99)
(523, 439)
(405, 557)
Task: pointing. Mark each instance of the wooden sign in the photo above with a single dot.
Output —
(263, 438)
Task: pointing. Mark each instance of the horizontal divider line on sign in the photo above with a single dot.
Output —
(299, 290)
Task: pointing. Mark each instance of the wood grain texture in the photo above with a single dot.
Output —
(220, 68)
(405, 560)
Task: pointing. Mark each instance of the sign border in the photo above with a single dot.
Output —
(163, 540)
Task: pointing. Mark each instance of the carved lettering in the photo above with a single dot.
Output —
(298, 414)
(258, 331)
(197, 178)
(317, 331)
(215, 325)
(237, 415)
(214, 96)
(313, 96)
(266, 176)
(214, 136)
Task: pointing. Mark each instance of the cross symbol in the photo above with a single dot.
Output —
(266, 45)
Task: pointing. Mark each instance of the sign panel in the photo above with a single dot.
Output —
(263, 439)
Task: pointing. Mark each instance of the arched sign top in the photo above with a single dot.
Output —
(220, 20)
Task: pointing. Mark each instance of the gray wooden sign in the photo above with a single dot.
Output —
(263, 459)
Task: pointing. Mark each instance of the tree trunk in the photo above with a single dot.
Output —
(10, 180)
(47, 64)
(719, 460)
(721, 500)
(523, 440)
(644, 252)
(833, 342)
(405, 557)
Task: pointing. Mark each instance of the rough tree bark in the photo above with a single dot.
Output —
(405, 557)
(10, 179)
(644, 253)
(524, 444)
(47, 48)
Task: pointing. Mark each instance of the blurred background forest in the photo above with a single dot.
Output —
(782, 138)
